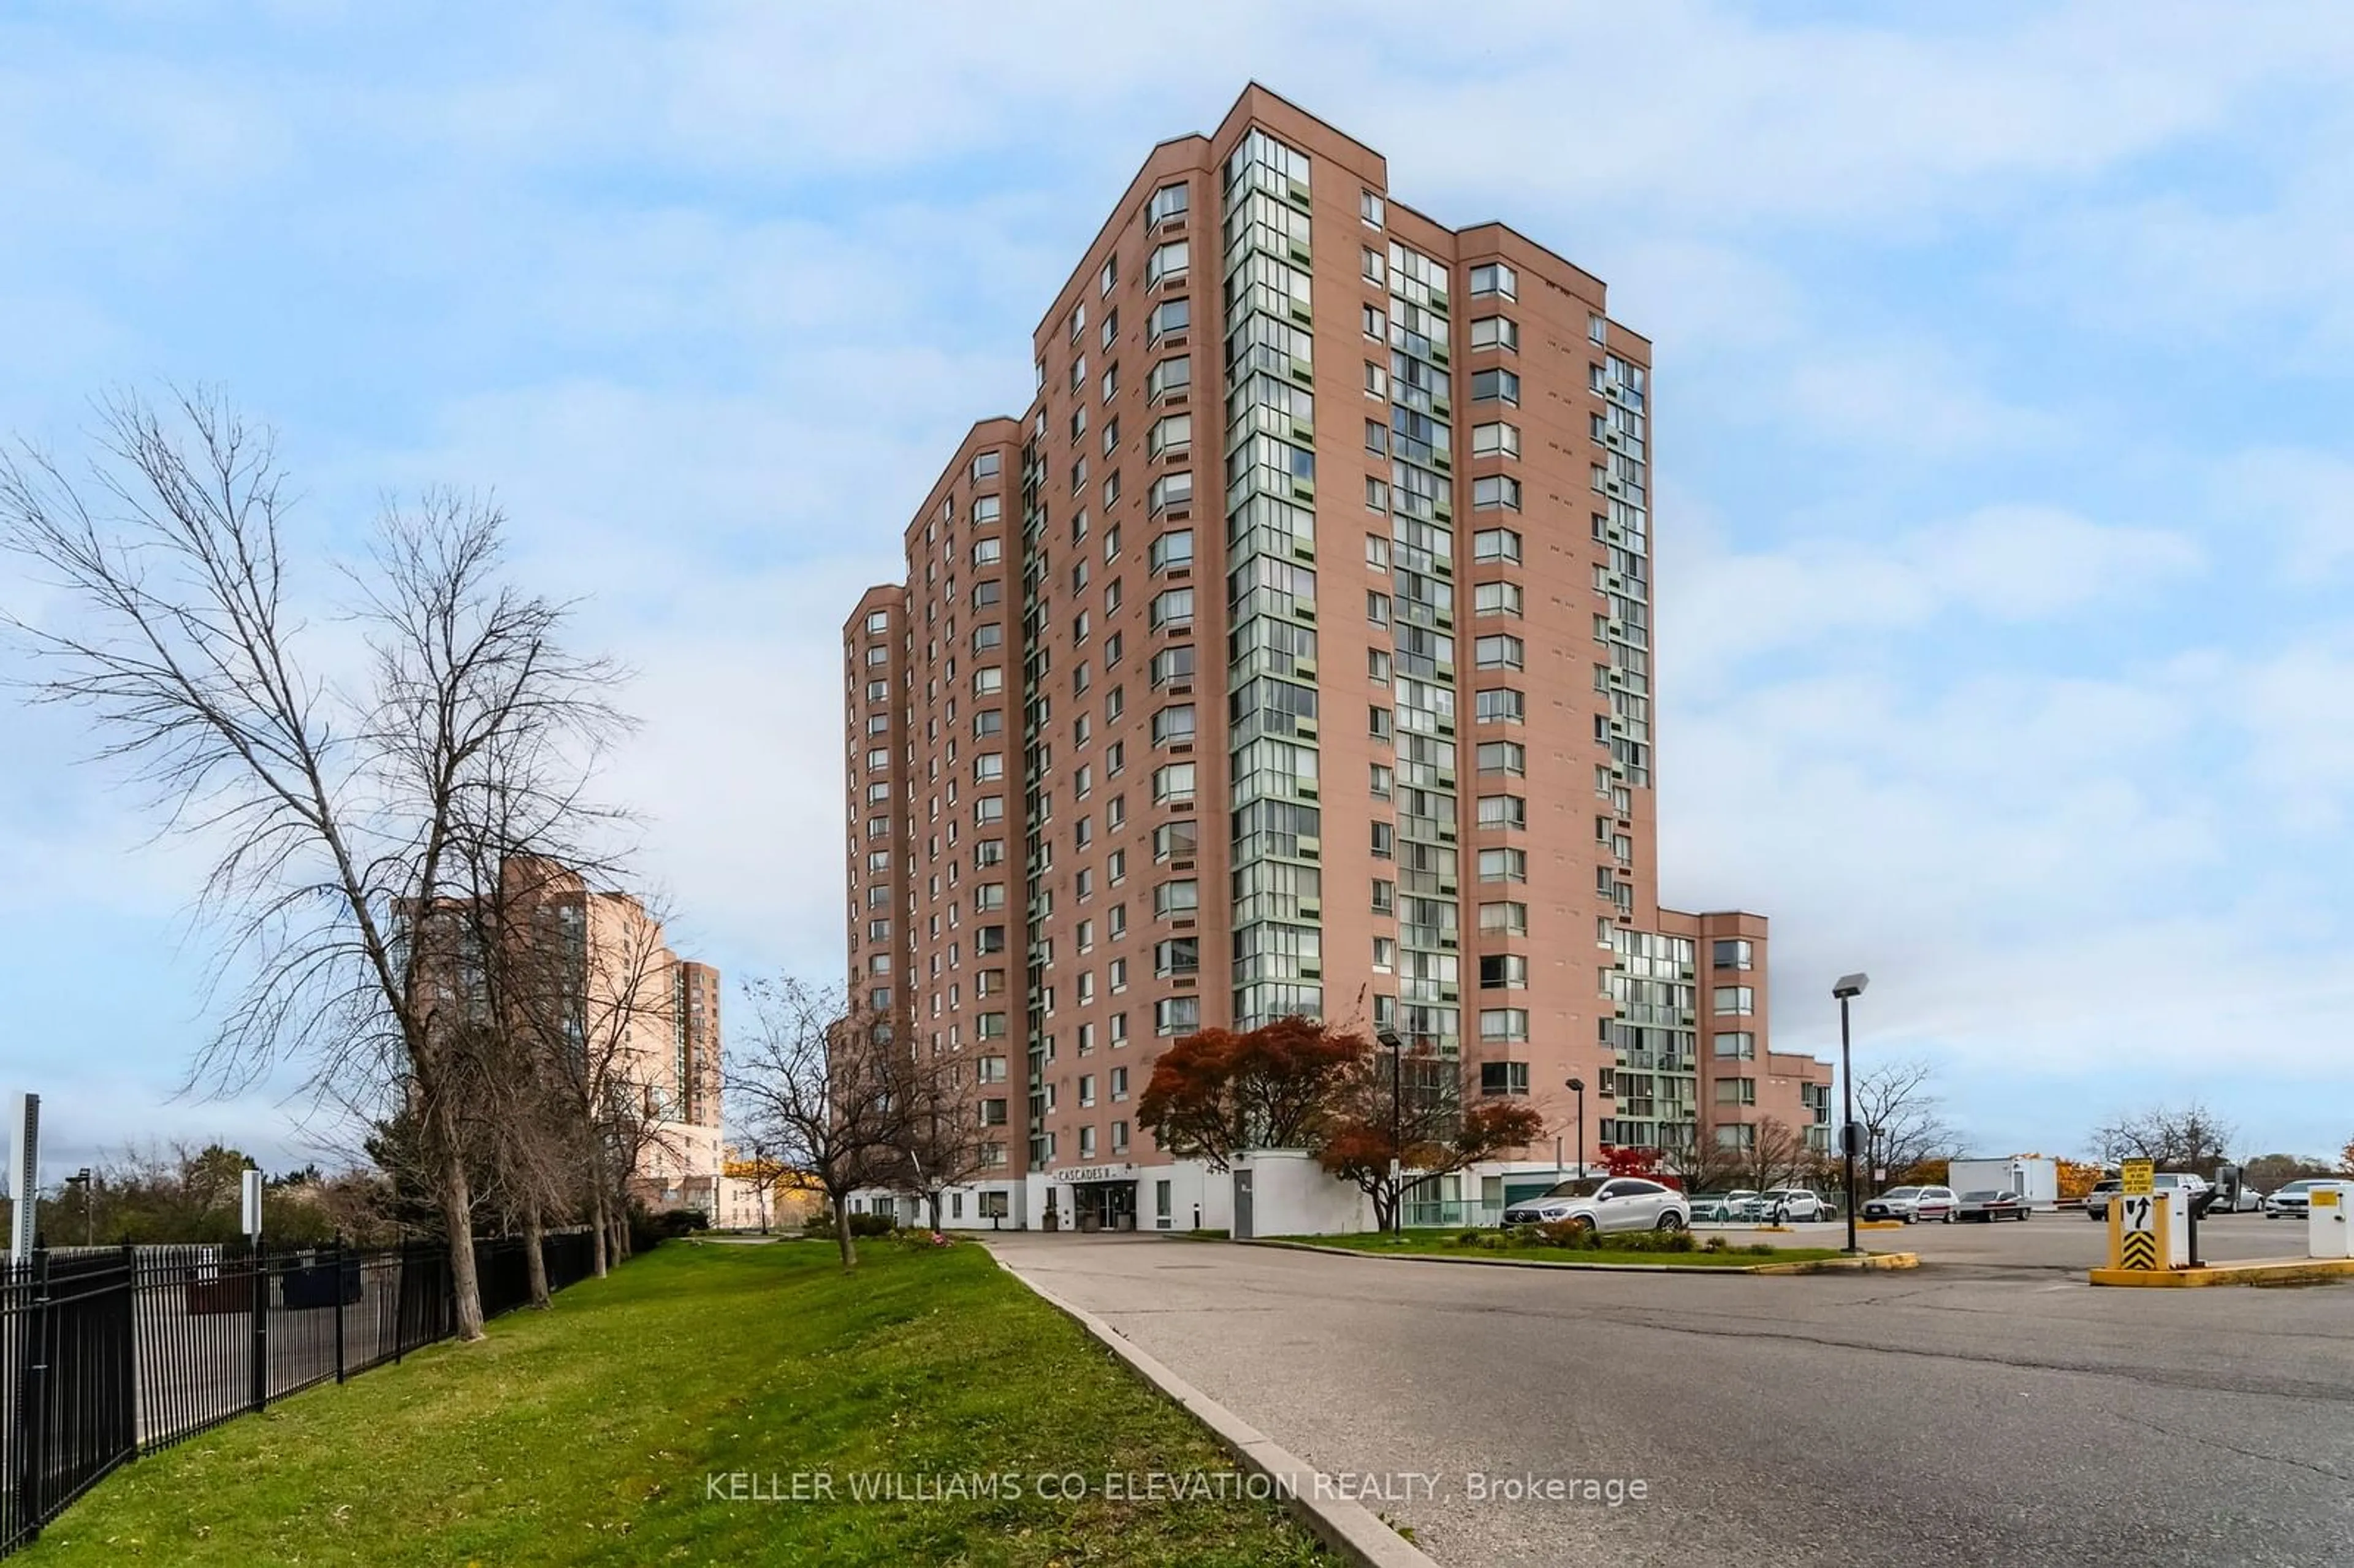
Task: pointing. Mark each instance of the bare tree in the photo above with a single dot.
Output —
(946, 1143)
(829, 1086)
(1700, 1164)
(334, 803)
(1776, 1156)
(2191, 1138)
(1897, 1108)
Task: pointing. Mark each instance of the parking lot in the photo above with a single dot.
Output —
(2060, 1239)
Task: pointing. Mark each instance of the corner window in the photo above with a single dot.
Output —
(1494, 280)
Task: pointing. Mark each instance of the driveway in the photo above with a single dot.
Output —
(1940, 1418)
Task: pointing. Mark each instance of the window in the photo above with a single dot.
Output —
(1501, 705)
(878, 621)
(1495, 492)
(1505, 919)
(1503, 756)
(1503, 865)
(1495, 387)
(1377, 437)
(1497, 653)
(1503, 1077)
(1378, 607)
(1119, 1086)
(1173, 608)
(1503, 812)
(1175, 841)
(1171, 433)
(1169, 377)
(1087, 1143)
(1168, 202)
(1385, 841)
(1172, 664)
(1173, 725)
(1736, 1000)
(1371, 319)
(1166, 262)
(1597, 330)
(1369, 262)
(880, 691)
(1384, 778)
(1733, 953)
(1495, 439)
(987, 681)
(1735, 1044)
(1174, 898)
(1110, 333)
(1173, 489)
(1377, 723)
(1494, 280)
(1504, 1023)
(1377, 553)
(1496, 598)
(1369, 207)
(1178, 956)
(1503, 971)
(1384, 897)
(986, 509)
(1174, 783)
(989, 766)
(1168, 316)
(1496, 544)
(1740, 1135)
(1384, 955)
(1377, 666)
(1496, 332)
(1177, 1015)
(1736, 1091)
(1107, 276)
(878, 654)
(987, 552)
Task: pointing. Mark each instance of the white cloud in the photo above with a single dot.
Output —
(2011, 562)
(2308, 495)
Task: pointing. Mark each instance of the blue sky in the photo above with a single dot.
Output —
(2006, 481)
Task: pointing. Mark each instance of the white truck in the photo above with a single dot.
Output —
(2034, 1177)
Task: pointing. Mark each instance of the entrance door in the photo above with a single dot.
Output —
(1243, 1231)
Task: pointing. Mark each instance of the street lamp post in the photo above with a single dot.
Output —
(1577, 1087)
(1397, 1046)
(1848, 988)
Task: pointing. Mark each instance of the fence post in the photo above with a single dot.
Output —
(33, 1402)
(261, 1330)
(339, 1306)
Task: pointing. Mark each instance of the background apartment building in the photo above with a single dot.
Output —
(1291, 653)
(646, 1021)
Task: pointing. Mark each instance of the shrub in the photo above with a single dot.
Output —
(1759, 1249)
(1495, 1243)
(1565, 1233)
(1469, 1238)
(1716, 1244)
(873, 1224)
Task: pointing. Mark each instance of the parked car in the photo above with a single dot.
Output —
(1783, 1204)
(1606, 1203)
(1720, 1208)
(2248, 1200)
(2200, 1191)
(2293, 1200)
(1910, 1204)
(1990, 1206)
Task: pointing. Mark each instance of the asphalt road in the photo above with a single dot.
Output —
(1962, 1413)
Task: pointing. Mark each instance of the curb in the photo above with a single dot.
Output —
(1343, 1524)
(1815, 1266)
(2286, 1272)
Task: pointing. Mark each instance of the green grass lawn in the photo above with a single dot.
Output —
(586, 1434)
(1449, 1244)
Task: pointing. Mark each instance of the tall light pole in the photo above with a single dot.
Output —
(1397, 1046)
(1848, 988)
(1577, 1087)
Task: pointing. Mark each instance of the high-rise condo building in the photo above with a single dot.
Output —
(1292, 654)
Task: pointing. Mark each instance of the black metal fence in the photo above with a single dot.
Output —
(109, 1352)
